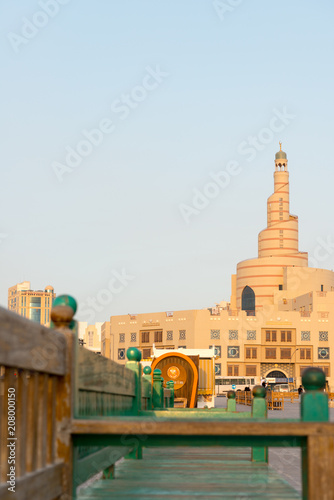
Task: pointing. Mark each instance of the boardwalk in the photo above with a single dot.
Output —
(285, 461)
(186, 473)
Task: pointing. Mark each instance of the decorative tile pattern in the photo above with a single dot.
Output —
(233, 335)
(182, 335)
(218, 350)
(122, 337)
(121, 353)
(323, 352)
(215, 334)
(233, 351)
(305, 336)
(251, 334)
(218, 369)
(323, 336)
(169, 334)
(133, 337)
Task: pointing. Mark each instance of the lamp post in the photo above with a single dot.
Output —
(293, 383)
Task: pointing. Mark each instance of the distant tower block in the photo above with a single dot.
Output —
(277, 247)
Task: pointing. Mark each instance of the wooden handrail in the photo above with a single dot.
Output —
(34, 365)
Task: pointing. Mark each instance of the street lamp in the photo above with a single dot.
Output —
(293, 383)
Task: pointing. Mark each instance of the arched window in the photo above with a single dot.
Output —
(276, 374)
(248, 299)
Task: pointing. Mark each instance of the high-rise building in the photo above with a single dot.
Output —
(32, 304)
(280, 318)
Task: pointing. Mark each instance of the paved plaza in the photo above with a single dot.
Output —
(286, 461)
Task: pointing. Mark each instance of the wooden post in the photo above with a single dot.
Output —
(157, 386)
(259, 410)
(231, 403)
(314, 403)
(318, 452)
(171, 386)
(163, 403)
(134, 356)
(148, 376)
(63, 310)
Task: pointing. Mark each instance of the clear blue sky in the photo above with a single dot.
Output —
(120, 207)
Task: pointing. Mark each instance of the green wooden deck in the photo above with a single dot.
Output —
(186, 473)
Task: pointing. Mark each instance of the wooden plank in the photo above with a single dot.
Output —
(30, 422)
(10, 383)
(51, 420)
(22, 422)
(141, 426)
(7, 383)
(41, 418)
(87, 467)
(64, 413)
(44, 484)
(200, 414)
(99, 374)
(318, 477)
(182, 474)
(28, 345)
(3, 407)
(35, 427)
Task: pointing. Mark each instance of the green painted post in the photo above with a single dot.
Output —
(231, 403)
(313, 408)
(259, 410)
(167, 399)
(163, 403)
(171, 386)
(148, 376)
(134, 356)
(314, 403)
(157, 386)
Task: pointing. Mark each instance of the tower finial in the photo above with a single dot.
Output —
(280, 146)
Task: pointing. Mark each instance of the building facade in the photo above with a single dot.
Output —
(280, 318)
(90, 335)
(32, 304)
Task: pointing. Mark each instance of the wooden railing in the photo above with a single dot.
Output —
(77, 413)
(244, 397)
(35, 409)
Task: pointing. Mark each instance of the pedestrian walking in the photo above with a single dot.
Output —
(300, 391)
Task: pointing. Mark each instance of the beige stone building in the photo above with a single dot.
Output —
(90, 335)
(33, 304)
(280, 318)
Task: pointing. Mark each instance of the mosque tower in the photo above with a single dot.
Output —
(257, 279)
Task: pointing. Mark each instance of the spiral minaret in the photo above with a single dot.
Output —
(258, 279)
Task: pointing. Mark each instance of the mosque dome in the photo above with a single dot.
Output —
(280, 155)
